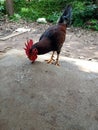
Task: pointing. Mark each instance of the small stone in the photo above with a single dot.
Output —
(41, 20)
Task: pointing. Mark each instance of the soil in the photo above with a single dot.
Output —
(79, 43)
(45, 97)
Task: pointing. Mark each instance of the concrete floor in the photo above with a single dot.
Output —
(45, 97)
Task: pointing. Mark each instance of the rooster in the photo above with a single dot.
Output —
(51, 40)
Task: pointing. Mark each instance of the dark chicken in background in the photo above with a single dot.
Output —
(51, 40)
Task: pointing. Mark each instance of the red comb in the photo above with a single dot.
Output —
(28, 46)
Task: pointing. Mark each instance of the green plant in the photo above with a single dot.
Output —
(82, 12)
(39, 8)
(53, 17)
(92, 24)
(2, 8)
(15, 17)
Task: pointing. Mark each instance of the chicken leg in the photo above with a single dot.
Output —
(51, 59)
(57, 60)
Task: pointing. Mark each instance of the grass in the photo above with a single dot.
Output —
(84, 12)
(35, 9)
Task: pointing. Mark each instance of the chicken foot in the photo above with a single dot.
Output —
(51, 59)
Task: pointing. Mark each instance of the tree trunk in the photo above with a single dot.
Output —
(9, 7)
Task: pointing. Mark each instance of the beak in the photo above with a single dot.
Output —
(32, 62)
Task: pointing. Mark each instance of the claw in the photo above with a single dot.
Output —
(57, 64)
(50, 61)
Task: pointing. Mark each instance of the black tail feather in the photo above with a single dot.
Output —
(66, 16)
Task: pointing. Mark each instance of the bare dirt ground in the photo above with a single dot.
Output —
(81, 44)
(45, 97)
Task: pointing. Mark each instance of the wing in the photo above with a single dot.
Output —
(47, 34)
(55, 35)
